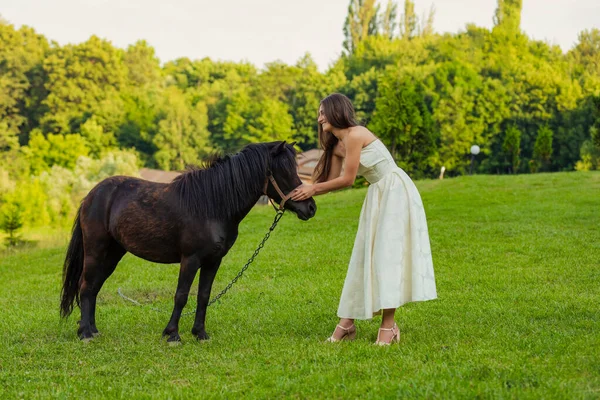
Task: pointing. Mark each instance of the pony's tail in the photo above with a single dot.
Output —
(72, 269)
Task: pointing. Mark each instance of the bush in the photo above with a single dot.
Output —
(89, 172)
(590, 153)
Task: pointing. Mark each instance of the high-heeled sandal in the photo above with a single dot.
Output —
(395, 336)
(349, 334)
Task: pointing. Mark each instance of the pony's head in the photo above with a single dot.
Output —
(285, 179)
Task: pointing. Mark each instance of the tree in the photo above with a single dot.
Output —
(8, 139)
(62, 150)
(303, 99)
(361, 22)
(96, 139)
(253, 122)
(590, 152)
(143, 67)
(409, 22)
(272, 123)
(139, 126)
(512, 147)
(388, 20)
(11, 222)
(427, 23)
(362, 90)
(182, 136)
(508, 16)
(83, 80)
(404, 122)
(21, 53)
(585, 55)
(543, 147)
(457, 94)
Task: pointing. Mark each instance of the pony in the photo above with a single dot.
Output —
(192, 220)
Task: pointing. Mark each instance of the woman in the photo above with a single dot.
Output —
(391, 260)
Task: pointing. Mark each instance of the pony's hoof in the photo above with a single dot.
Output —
(200, 333)
(174, 338)
(85, 335)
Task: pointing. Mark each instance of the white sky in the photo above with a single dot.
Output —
(261, 31)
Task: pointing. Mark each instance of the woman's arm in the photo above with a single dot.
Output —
(353, 146)
(336, 167)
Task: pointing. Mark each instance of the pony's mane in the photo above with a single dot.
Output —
(222, 186)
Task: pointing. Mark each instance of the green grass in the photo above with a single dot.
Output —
(518, 276)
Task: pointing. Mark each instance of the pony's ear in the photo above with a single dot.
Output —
(278, 148)
(293, 143)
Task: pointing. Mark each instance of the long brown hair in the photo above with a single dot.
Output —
(339, 112)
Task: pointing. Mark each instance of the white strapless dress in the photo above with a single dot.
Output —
(391, 260)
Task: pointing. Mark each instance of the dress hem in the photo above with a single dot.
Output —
(378, 312)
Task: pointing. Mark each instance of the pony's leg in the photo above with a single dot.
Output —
(187, 273)
(113, 256)
(101, 258)
(207, 276)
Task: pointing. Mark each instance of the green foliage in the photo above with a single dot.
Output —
(31, 196)
(88, 172)
(508, 16)
(543, 146)
(6, 184)
(61, 203)
(388, 20)
(409, 21)
(21, 54)
(585, 55)
(595, 136)
(403, 119)
(11, 221)
(83, 80)
(52, 197)
(96, 139)
(512, 147)
(363, 92)
(139, 127)
(8, 140)
(590, 152)
(478, 86)
(61, 150)
(273, 122)
(361, 22)
(143, 67)
(182, 136)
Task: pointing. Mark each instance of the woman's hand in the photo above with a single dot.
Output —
(303, 192)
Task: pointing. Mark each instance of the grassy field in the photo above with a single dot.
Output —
(517, 263)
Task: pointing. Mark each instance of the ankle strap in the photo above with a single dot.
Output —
(389, 329)
(346, 329)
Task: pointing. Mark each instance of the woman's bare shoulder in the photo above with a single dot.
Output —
(362, 134)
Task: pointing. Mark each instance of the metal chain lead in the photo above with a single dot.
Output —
(245, 267)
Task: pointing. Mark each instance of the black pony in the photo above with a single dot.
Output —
(192, 221)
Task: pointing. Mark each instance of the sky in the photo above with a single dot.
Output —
(263, 31)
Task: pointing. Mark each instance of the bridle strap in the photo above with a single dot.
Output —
(284, 197)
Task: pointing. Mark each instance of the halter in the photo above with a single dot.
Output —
(284, 197)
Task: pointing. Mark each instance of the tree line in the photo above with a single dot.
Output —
(74, 113)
